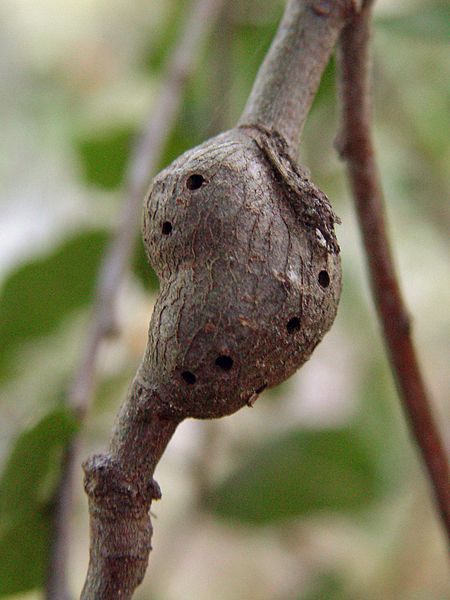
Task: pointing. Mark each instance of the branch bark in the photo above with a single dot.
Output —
(121, 487)
(356, 147)
(183, 238)
(290, 74)
(143, 163)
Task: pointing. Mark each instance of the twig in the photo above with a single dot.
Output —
(288, 78)
(355, 145)
(120, 483)
(143, 163)
(121, 487)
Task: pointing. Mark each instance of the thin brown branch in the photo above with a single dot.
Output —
(142, 165)
(121, 488)
(120, 483)
(288, 78)
(356, 146)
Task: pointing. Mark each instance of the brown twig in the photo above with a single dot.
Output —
(355, 145)
(143, 163)
(121, 487)
(288, 78)
(120, 482)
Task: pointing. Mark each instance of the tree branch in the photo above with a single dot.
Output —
(143, 163)
(190, 215)
(121, 488)
(356, 147)
(288, 78)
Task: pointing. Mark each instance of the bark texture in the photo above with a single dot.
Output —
(290, 74)
(120, 487)
(244, 246)
(145, 154)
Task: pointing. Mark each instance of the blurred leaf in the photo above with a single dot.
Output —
(104, 156)
(165, 38)
(110, 390)
(431, 24)
(30, 461)
(328, 587)
(190, 129)
(143, 270)
(298, 474)
(23, 554)
(38, 295)
(381, 421)
(24, 510)
(251, 43)
(327, 87)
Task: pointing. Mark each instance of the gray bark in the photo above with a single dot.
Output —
(244, 246)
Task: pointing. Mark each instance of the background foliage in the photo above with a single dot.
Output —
(317, 492)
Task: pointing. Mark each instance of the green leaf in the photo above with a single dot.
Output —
(25, 496)
(104, 156)
(164, 38)
(251, 43)
(431, 24)
(31, 460)
(298, 474)
(327, 88)
(38, 295)
(189, 129)
(329, 586)
(23, 554)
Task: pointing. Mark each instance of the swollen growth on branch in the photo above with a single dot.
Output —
(244, 246)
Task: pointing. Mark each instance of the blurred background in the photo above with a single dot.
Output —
(316, 493)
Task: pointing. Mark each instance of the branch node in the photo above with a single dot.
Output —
(154, 489)
(112, 491)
